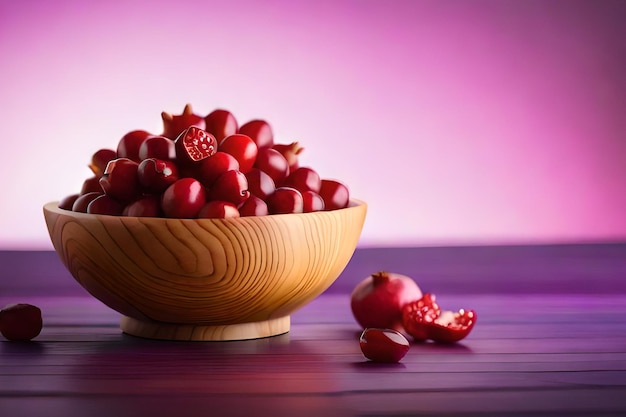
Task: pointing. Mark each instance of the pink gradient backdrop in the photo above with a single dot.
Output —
(459, 122)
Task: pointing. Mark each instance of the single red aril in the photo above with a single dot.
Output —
(100, 159)
(221, 123)
(383, 345)
(304, 179)
(209, 169)
(129, 144)
(218, 210)
(231, 186)
(243, 148)
(285, 200)
(174, 124)
(183, 199)
(156, 175)
(423, 319)
(82, 202)
(158, 147)
(194, 144)
(260, 184)
(312, 201)
(120, 180)
(335, 194)
(291, 153)
(90, 185)
(273, 163)
(146, 206)
(20, 322)
(253, 206)
(67, 202)
(260, 132)
(105, 204)
(377, 301)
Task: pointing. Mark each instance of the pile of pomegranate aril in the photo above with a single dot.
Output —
(204, 167)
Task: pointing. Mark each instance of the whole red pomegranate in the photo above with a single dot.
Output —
(377, 301)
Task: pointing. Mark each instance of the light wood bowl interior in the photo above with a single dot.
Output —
(206, 279)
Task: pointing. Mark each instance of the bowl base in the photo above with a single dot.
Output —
(170, 331)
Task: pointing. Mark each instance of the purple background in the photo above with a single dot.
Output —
(459, 122)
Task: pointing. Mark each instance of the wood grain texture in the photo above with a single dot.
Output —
(191, 332)
(540, 355)
(206, 272)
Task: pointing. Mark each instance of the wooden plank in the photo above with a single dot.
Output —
(552, 354)
(207, 404)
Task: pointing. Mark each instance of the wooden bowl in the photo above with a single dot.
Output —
(206, 279)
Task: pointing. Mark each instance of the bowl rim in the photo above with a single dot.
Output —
(53, 207)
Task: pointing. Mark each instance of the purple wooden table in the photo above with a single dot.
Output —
(550, 341)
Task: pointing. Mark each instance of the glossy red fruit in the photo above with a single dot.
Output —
(90, 185)
(253, 206)
(146, 206)
(418, 315)
(383, 345)
(183, 199)
(243, 148)
(129, 144)
(260, 132)
(260, 184)
(209, 169)
(100, 159)
(155, 175)
(67, 202)
(285, 200)
(194, 144)
(231, 186)
(218, 210)
(378, 300)
(453, 326)
(82, 202)
(335, 194)
(159, 147)
(273, 163)
(20, 322)
(311, 202)
(120, 180)
(221, 123)
(304, 179)
(291, 153)
(423, 319)
(174, 124)
(105, 204)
